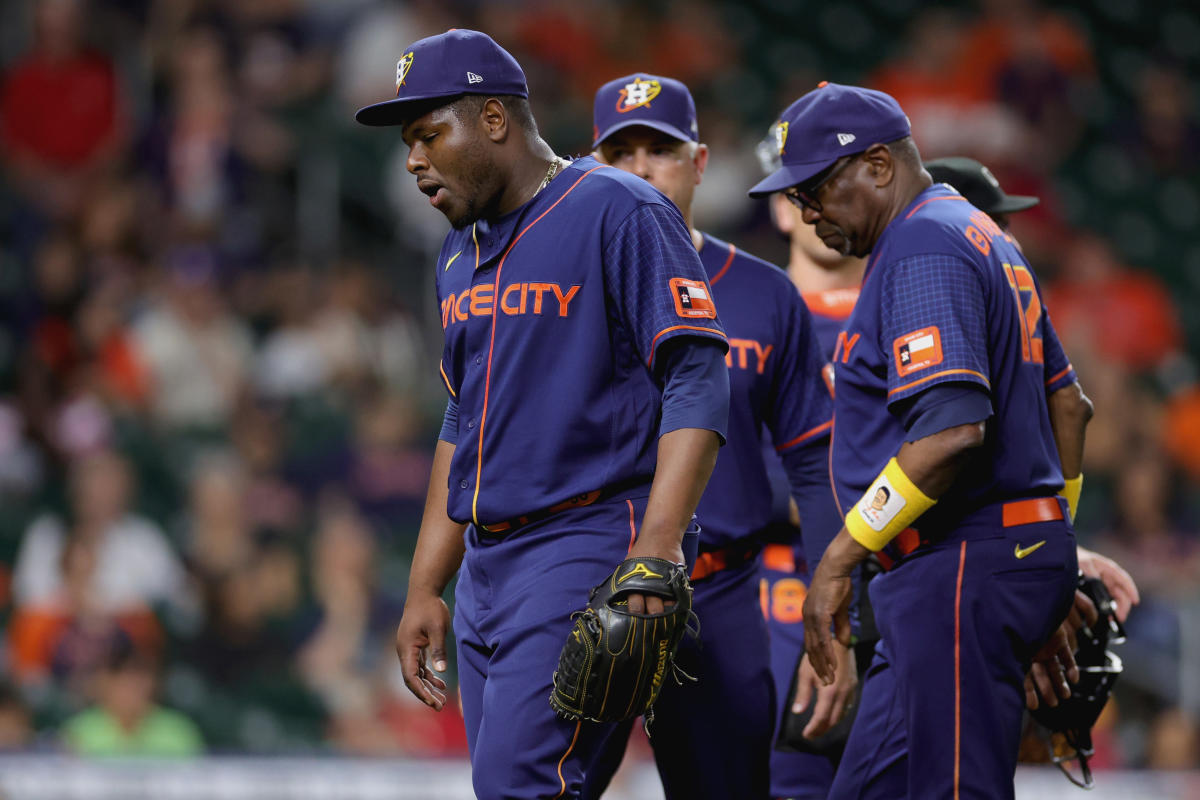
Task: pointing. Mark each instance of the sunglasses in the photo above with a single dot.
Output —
(806, 197)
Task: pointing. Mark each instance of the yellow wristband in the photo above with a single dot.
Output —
(1071, 490)
(891, 504)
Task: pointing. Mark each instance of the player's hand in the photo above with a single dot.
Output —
(826, 605)
(421, 636)
(1054, 667)
(1118, 582)
(645, 548)
(832, 701)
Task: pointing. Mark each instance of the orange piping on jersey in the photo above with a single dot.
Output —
(721, 273)
(487, 379)
(650, 361)
(930, 200)
(1059, 375)
(962, 560)
(449, 388)
(632, 528)
(940, 374)
(832, 482)
(562, 782)
(824, 426)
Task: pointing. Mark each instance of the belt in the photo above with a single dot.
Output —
(1018, 512)
(577, 501)
(713, 561)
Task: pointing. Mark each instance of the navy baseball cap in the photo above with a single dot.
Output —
(829, 122)
(663, 104)
(450, 64)
(976, 182)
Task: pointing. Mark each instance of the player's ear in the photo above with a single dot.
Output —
(881, 165)
(781, 214)
(495, 119)
(700, 159)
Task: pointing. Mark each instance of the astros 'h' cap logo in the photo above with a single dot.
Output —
(637, 94)
(402, 67)
(781, 130)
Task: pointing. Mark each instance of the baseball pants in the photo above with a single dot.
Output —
(711, 737)
(794, 776)
(513, 602)
(960, 621)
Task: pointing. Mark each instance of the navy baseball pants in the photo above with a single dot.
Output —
(711, 737)
(513, 602)
(959, 621)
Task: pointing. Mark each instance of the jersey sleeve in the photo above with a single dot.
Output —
(801, 409)
(449, 432)
(1059, 372)
(657, 282)
(933, 325)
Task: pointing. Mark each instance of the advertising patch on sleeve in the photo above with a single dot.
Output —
(692, 299)
(917, 350)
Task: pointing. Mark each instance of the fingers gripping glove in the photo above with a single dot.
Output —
(614, 662)
(1069, 724)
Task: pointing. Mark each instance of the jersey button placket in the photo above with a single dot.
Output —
(462, 484)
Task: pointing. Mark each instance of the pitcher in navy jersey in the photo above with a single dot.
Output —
(953, 401)
(588, 395)
(712, 738)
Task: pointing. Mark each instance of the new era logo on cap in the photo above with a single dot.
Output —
(846, 138)
(473, 78)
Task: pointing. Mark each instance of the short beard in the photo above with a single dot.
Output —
(845, 251)
(480, 187)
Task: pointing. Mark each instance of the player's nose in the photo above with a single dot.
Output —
(641, 163)
(416, 160)
(810, 215)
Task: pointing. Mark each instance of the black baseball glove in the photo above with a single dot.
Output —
(614, 662)
(1069, 724)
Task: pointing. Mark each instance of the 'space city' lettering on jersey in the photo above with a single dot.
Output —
(551, 334)
(980, 322)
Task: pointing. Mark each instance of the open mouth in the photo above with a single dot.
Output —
(434, 191)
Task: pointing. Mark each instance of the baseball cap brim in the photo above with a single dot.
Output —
(393, 112)
(787, 176)
(1016, 202)
(662, 127)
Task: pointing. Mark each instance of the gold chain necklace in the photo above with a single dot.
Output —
(555, 165)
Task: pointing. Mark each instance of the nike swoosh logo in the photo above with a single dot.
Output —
(451, 261)
(1021, 552)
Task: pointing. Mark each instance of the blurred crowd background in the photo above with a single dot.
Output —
(218, 332)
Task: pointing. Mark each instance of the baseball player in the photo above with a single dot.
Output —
(828, 282)
(588, 394)
(646, 125)
(979, 186)
(954, 393)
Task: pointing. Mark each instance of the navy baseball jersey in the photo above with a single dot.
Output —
(551, 332)
(773, 361)
(830, 310)
(948, 298)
